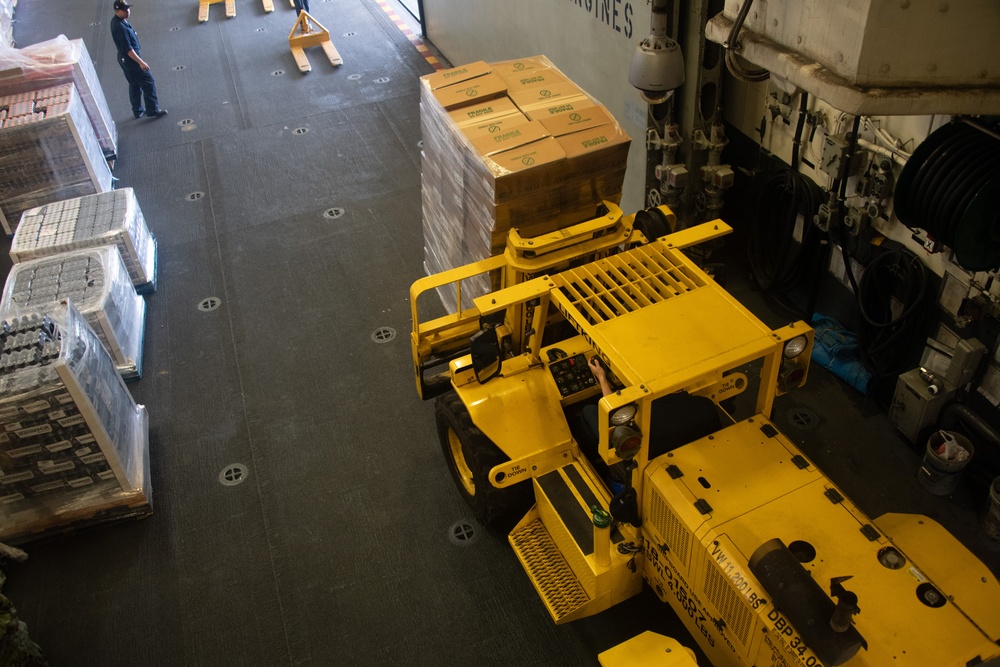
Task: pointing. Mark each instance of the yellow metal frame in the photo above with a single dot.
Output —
(308, 32)
(205, 5)
(662, 325)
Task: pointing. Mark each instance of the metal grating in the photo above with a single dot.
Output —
(624, 283)
(549, 571)
(667, 525)
(729, 604)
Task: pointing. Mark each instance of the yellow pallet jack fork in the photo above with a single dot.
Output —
(307, 32)
(205, 5)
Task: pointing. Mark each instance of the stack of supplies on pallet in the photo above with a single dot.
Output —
(510, 145)
(59, 61)
(109, 218)
(48, 151)
(74, 445)
(97, 282)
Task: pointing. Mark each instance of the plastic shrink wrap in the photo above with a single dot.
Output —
(58, 61)
(74, 445)
(98, 284)
(48, 151)
(109, 218)
(509, 145)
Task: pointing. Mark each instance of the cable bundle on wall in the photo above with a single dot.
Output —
(779, 262)
(890, 342)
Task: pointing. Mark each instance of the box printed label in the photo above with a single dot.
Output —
(106, 474)
(93, 458)
(85, 439)
(80, 481)
(71, 421)
(7, 413)
(16, 477)
(36, 406)
(13, 426)
(48, 486)
(83, 451)
(64, 398)
(59, 467)
(56, 415)
(59, 446)
(24, 451)
(12, 498)
(34, 430)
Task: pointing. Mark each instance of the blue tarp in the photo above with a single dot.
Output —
(836, 349)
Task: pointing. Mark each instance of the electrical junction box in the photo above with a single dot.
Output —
(918, 402)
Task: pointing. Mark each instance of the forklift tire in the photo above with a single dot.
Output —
(471, 456)
(652, 223)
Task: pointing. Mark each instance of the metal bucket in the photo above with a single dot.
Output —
(991, 521)
(938, 474)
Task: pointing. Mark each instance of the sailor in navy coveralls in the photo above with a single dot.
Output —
(140, 80)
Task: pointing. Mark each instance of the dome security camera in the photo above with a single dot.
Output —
(657, 68)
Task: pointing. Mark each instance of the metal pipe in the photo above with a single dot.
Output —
(981, 128)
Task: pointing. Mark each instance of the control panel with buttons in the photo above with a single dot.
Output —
(572, 375)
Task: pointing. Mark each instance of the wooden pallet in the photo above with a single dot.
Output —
(205, 5)
(308, 32)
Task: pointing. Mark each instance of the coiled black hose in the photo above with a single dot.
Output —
(889, 342)
(780, 264)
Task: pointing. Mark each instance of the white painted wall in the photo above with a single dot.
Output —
(591, 41)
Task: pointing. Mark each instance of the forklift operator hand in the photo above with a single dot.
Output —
(597, 368)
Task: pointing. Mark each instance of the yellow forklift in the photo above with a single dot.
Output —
(670, 470)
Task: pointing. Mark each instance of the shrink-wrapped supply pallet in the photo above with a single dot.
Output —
(74, 445)
(58, 61)
(48, 151)
(108, 218)
(98, 284)
(510, 145)
(7, 22)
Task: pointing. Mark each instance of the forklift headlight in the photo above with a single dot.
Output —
(624, 414)
(795, 346)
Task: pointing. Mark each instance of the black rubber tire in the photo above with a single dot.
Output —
(471, 456)
(652, 223)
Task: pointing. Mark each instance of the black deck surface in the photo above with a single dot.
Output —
(336, 549)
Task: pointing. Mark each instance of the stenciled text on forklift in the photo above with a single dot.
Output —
(614, 13)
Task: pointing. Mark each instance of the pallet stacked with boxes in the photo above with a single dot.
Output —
(48, 151)
(510, 145)
(56, 62)
(97, 282)
(109, 218)
(74, 447)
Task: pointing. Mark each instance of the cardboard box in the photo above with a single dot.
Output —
(575, 120)
(544, 95)
(526, 169)
(494, 125)
(598, 139)
(471, 91)
(509, 138)
(560, 106)
(501, 106)
(449, 77)
(539, 76)
(508, 68)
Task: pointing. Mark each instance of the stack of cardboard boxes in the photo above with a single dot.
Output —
(510, 145)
